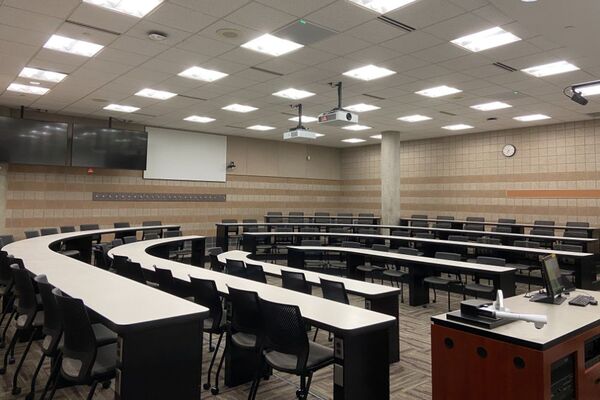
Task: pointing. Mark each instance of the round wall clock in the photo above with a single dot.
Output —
(509, 150)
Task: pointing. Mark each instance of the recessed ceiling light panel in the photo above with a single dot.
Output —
(356, 127)
(260, 128)
(376, 136)
(494, 105)
(199, 119)
(559, 67)
(438, 91)
(305, 119)
(486, 39)
(293, 94)
(136, 8)
(155, 94)
(531, 117)
(369, 72)
(42, 75)
(361, 107)
(202, 74)
(72, 46)
(382, 6)
(353, 140)
(414, 118)
(37, 90)
(590, 90)
(239, 108)
(272, 45)
(121, 108)
(457, 127)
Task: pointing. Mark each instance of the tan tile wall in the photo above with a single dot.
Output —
(360, 173)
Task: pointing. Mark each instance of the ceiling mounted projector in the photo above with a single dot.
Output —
(338, 116)
(578, 91)
(299, 132)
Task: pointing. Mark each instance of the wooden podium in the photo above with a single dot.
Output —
(517, 361)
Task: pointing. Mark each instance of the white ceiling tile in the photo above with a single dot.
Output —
(174, 36)
(123, 57)
(340, 16)
(23, 36)
(103, 18)
(375, 31)
(341, 44)
(203, 45)
(55, 8)
(181, 18)
(295, 7)
(425, 13)
(261, 18)
(493, 15)
(22, 18)
(133, 45)
(216, 8)
(373, 55)
(464, 24)
(442, 52)
(412, 42)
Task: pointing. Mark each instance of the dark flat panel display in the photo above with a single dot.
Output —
(108, 148)
(25, 141)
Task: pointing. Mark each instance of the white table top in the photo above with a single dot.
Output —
(121, 301)
(563, 320)
(527, 225)
(338, 316)
(353, 286)
(405, 257)
(531, 250)
(323, 216)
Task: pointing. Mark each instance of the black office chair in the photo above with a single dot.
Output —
(235, 268)
(296, 217)
(419, 224)
(343, 218)
(374, 267)
(31, 234)
(7, 295)
(295, 281)
(572, 230)
(275, 217)
(83, 360)
(528, 262)
(150, 236)
(444, 282)
(366, 218)
(119, 225)
(444, 222)
(255, 273)
(91, 227)
(474, 224)
(245, 328)
(458, 238)
(172, 233)
(48, 231)
(233, 232)
(29, 321)
(116, 242)
(322, 217)
(288, 348)
(281, 241)
(6, 239)
(165, 280)
(101, 259)
(67, 229)
(313, 259)
(129, 239)
(336, 240)
(206, 294)
(504, 228)
(334, 291)
(215, 264)
(396, 274)
(134, 271)
(567, 260)
(155, 233)
(478, 289)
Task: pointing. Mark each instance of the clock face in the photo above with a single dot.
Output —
(509, 150)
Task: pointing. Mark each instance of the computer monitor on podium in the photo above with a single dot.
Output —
(552, 280)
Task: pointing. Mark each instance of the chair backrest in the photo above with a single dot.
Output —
(447, 256)
(129, 239)
(275, 216)
(27, 305)
(500, 262)
(134, 271)
(31, 234)
(120, 264)
(526, 243)
(366, 218)
(310, 242)
(256, 273)
(48, 231)
(507, 220)
(165, 280)
(542, 231)
(6, 239)
(121, 225)
(502, 228)
(52, 321)
(285, 330)
(170, 234)
(401, 233)
(338, 230)
(422, 224)
(408, 251)
(6, 275)
(380, 247)
(89, 227)
(578, 224)
(473, 227)
(79, 346)
(151, 236)
(235, 268)
(116, 242)
(67, 229)
(442, 224)
(489, 240)
(568, 247)
(151, 223)
(296, 217)
(309, 229)
(213, 253)
(544, 222)
(233, 228)
(444, 218)
(424, 235)
(335, 291)
(367, 231)
(344, 218)
(295, 281)
(245, 311)
(475, 219)
(249, 221)
(206, 294)
(322, 217)
(458, 238)
(419, 216)
(350, 244)
(575, 233)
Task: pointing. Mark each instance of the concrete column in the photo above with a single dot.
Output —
(390, 177)
(3, 190)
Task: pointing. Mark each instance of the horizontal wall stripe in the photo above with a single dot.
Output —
(517, 177)
(554, 194)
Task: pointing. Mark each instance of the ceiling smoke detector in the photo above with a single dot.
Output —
(228, 33)
(157, 36)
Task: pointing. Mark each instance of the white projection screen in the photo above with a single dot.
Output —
(180, 155)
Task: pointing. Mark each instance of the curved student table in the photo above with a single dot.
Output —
(151, 364)
(583, 263)
(314, 218)
(361, 367)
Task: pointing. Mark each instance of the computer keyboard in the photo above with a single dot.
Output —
(582, 300)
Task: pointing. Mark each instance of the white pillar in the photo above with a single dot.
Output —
(390, 177)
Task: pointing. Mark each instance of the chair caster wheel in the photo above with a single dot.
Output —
(206, 386)
(214, 391)
(16, 390)
(299, 394)
(105, 385)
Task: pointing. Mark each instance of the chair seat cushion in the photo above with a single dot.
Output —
(476, 287)
(369, 268)
(394, 273)
(318, 356)
(106, 361)
(103, 335)
(38, 320)
(208, 326)
(567, 272)
(440, 280)
(70, 253)
(245, 340)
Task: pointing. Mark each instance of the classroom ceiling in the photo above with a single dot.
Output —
(197, 35)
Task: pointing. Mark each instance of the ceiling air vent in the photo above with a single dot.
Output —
(373, 96)
(234, 127)
(397, 24)
(266, 71)
(191, 97)
(96, 28)
(504, 67)
(448, 113)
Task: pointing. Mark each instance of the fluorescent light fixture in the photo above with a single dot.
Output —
(414, 118)
(293, 94)
(486, 39)
(494, 105)
(239, 108)
(319, 134)
(382, 6)
(17, 87)
(136, 8)
(376, 136)
(559, 67)
(202, 74)
(155, 94)
(590, 90)
(121, 108)
(356, 127)
(353, 140)
(369, 72)
(272, 45)
(438, 91)
(260, 128)
(42, 75)
(532, 117)
(305, 118)
(457, 127)
(198, 118)
(361, 107)
(72, 46)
